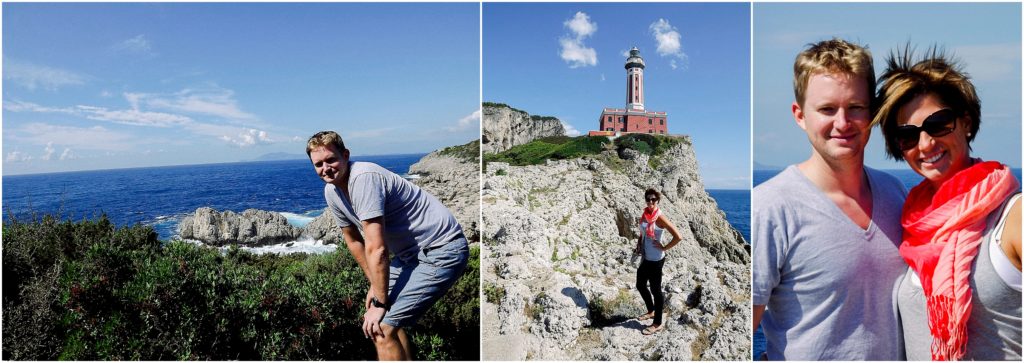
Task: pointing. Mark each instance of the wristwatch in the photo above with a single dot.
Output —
(376, 303)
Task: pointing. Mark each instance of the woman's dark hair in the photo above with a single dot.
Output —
(936, 73)
(652, 191)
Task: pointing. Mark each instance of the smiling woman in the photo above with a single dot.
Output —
(965, 210)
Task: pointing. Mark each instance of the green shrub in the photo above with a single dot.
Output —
(556, 147)
(494, 293)
(90, 291)
(469, 151)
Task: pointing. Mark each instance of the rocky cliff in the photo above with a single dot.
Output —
(557, 275)
(505, 127)
(451, 174)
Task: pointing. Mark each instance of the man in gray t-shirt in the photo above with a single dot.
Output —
(826, 231)
(379, 211)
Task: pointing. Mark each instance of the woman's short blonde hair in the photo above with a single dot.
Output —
(831, 56)
(937, 74)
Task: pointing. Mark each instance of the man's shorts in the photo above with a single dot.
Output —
(415, 286)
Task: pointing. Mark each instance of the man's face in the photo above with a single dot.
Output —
(836, 115)
(330, 164)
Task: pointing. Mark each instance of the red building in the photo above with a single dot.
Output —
(633, 118)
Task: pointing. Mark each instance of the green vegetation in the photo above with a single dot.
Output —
(500, 172)
(494, 293)
(557, 147)
(91, 291)
(649, 144)
(607, 312)
(469, 151)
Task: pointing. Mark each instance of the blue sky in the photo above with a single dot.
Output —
(985, 36)
(566, 60)
(97, 86)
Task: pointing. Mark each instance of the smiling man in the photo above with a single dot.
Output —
(380, 212)
(826, 231)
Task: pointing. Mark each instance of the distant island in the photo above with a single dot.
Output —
(279, 156)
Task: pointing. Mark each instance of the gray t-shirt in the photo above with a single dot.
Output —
(413, 219)
(829, 285)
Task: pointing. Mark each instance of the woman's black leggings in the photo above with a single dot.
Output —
(651, 271)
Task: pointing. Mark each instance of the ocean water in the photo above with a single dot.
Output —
(161, 196)
(736, 205)
(907, 176)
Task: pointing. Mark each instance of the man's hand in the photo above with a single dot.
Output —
(371, 322)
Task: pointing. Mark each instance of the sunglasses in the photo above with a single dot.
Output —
(938, 124)
(651, 199)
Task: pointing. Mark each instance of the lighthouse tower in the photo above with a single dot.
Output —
(635, 117)
(635, 81)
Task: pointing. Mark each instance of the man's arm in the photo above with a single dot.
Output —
(377, 272)
(354, 242)
(758, 312)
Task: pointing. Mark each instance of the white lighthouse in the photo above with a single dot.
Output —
(635, 81)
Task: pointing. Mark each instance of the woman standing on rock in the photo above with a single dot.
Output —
(652, 224)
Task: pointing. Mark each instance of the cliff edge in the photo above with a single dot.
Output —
(505, 127)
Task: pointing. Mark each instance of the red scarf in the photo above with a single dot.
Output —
(942, 230)
(651, 216)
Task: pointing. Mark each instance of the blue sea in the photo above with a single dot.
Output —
(736, 205)
(907, 176)
(161, 196)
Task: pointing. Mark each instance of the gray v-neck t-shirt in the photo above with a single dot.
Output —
(413, 218)
(828, 284)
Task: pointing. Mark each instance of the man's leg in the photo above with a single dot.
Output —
(403, 338)
(389, 346)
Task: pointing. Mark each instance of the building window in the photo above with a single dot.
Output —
(650, 121)
(650, 131)
(623, 129)
(620, 118)
(662, 121)
(609, 119)
(609, 129)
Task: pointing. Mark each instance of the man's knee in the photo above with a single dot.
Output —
(389, 338)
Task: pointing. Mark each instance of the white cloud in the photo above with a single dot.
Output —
(16, 156)
(581, 25)
(577, 54)
(67, 155)
(48, 151)
(214, 101)
(570, 130)
(573, 50)
(137, 45)
(133, 117)
(669, 42)
(465, 123)
(249, 137)
(34, 76)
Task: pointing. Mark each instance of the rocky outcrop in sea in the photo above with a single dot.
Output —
(557, 275)
(505, 127)
(252, 227)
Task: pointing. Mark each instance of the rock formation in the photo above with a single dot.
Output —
(451, 174)
(252, 227)
(505, 127)
(556, 269)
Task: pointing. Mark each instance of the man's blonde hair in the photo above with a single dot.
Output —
(322, 139)
(832, 56)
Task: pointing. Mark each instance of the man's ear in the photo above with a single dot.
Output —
(798, 115)
(344, 155)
